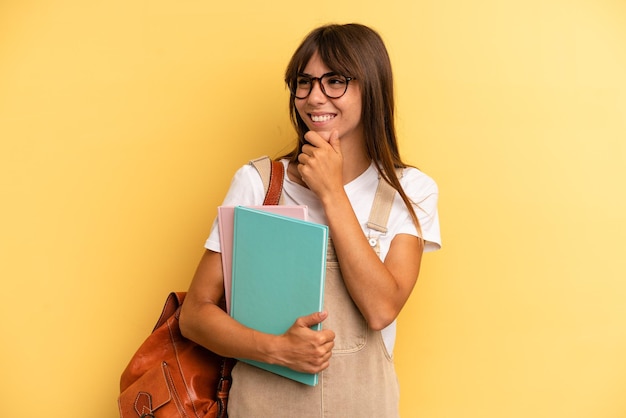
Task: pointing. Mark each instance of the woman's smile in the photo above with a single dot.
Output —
(316, 118)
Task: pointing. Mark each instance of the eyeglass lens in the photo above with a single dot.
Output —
(332, 85)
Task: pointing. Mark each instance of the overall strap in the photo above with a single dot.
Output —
(381, 208)
(383, 201)
(272, 174)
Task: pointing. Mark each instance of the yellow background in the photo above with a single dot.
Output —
(122, 122)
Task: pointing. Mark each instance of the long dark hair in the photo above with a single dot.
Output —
(357, 51)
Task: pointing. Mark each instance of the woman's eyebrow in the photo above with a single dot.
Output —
(311, 75)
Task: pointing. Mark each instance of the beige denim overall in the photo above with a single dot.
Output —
(360, 381)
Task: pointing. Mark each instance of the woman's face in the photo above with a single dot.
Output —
(324, 115)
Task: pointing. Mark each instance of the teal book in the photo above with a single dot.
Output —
(278, 274)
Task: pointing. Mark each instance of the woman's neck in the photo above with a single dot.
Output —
(353, 167)
(355, 160)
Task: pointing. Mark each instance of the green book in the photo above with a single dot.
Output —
(278, 274)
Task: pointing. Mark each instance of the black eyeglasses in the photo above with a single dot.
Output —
(332, 85)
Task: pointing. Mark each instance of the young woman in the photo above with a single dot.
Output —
(342, 107)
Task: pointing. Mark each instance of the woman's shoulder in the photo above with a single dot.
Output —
(246, 187)
(414, 180)
(247, 174)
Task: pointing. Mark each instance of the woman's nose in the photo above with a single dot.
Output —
(317, 95)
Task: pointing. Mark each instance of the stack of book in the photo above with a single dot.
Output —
(274, 263)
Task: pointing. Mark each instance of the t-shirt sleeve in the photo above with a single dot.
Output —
(246, 189)
(423, 191)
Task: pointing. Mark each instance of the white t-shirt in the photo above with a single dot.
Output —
(247, 189)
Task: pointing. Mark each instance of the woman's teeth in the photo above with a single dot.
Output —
(321, 118)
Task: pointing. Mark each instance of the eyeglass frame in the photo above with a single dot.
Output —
(319, 81)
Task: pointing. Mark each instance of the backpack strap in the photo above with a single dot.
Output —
(381, 208)
(272, 174)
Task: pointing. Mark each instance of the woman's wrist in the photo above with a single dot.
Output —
(266, 347)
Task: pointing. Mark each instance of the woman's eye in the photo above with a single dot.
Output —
(303, 81)
(337, 81)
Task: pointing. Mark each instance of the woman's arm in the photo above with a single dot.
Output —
(379, 289)
(203, 321)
